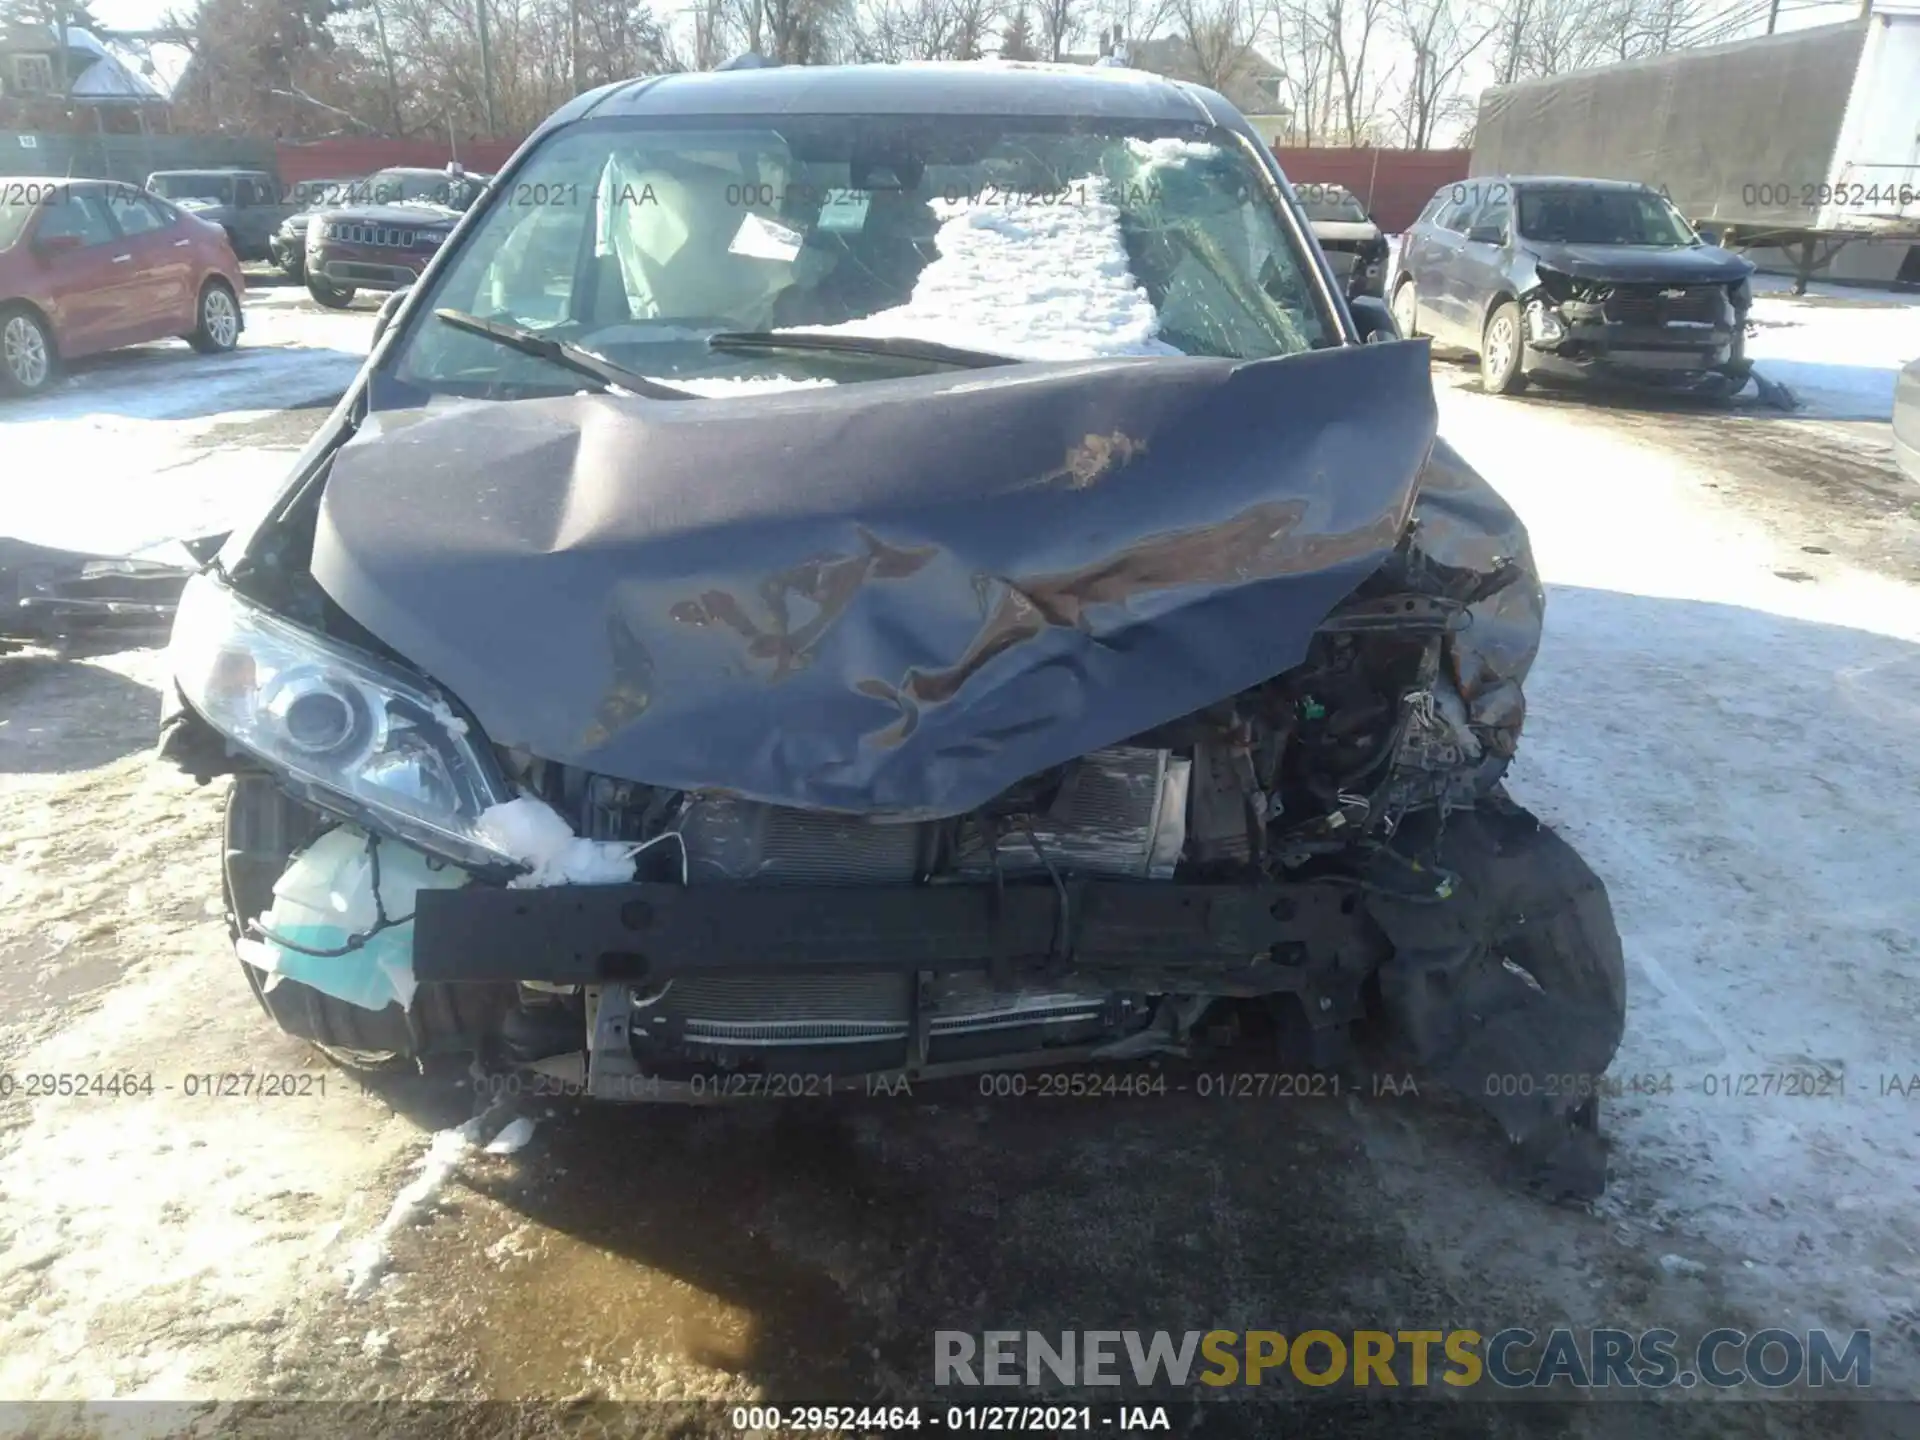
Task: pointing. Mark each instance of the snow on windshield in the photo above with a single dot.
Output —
(1041, 282)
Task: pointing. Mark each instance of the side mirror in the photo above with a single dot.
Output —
(1708, 235)
(389, 307)
(1486, 235)
(57, 244)
(1373, 319)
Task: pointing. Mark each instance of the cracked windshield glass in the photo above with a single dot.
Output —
(639, 244)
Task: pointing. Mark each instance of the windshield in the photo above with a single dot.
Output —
(414, 187)
(210, 188)
(1586, 216)
(1042, 240)
(1330, 202)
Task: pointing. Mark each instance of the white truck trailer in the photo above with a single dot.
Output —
(1804, 141)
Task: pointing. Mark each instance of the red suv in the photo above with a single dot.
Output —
(90, 265)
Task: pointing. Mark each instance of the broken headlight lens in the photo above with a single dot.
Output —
(335, 718)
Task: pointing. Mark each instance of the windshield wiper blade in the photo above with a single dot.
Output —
(561, 352)
(891, 346)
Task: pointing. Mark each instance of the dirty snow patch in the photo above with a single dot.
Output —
(371, 1257)
(512, 1139)
(1840, 354)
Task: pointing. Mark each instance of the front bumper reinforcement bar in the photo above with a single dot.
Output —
(1226, 939)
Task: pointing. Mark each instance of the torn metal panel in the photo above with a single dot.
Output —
(1468, 545)
(899, 597)
(47, 594)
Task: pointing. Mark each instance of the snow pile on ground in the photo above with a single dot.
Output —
(373, 1254)
(370, 1259)
(1839, 349)
(1042, 282)
(1731, 751)
(138, 448)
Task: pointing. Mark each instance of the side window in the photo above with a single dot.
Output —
(78, 212)
(1460, 203)
(135, 214)
(1495, 215)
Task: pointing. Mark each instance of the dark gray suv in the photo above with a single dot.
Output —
(1573, 277)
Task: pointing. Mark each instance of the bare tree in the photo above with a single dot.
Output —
(1058, 23)
(893, 30)
(1348, 27)
(1443, 40)
(1016, 36)
(1219, 35)
(1302, 57)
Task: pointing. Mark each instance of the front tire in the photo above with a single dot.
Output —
(1501, 350)
(219, 314)
(29, 360)
(330, 296)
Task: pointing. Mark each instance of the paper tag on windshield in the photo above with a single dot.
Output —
(761, 239)
(844, 210)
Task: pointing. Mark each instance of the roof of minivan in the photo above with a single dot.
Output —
(968, 87)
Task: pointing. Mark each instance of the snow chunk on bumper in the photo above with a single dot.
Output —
(536, 835)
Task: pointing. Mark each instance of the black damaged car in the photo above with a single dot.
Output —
(842, 575)
(1574, 277)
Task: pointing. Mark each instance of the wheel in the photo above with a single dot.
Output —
(1406, 309)
(1500, 352)
(328, 295)
(264, 830)
(29, 360)
(219, 327)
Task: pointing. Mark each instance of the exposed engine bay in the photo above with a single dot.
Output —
(1284, 783)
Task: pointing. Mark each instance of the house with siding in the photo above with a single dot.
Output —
(83, 87)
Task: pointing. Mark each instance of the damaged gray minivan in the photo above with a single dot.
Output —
(895, 571)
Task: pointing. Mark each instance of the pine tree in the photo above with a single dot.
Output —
(1016, 39)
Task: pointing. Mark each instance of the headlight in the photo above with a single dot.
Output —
(1559, 287)
(336, 718)
(431, 237)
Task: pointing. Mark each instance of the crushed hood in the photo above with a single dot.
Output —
(898, 597)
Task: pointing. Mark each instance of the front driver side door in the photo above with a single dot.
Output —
(1433, 263)
(77, 284)
(1482, 262)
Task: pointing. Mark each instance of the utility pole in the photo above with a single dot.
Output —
(66, 81)
(1773, 14)
(573, 44)
(386, 63)
(486, 67)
